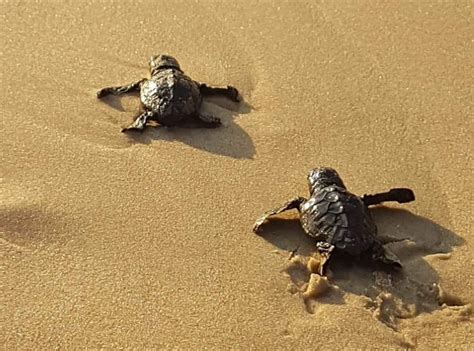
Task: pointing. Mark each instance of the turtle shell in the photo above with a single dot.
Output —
(171, 96)
(340, 218)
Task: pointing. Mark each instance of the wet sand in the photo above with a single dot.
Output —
(112, 241)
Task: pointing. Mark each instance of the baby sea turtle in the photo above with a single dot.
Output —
(340, 220)
(170, 97)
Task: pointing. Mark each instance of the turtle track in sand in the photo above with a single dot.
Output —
(391, 297)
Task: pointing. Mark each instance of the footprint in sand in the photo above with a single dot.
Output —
(28, 222)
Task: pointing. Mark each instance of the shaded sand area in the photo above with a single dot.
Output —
(111, 241)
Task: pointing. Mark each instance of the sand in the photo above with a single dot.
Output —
(109, 241)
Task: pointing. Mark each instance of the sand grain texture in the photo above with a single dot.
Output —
(108, 241)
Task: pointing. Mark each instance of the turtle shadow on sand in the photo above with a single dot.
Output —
(390, 295)
(116, 101)
(229, 139)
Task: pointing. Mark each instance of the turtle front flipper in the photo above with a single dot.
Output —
(139, 123)
(135, 86)
(400, 195)
(294, 203)
(385, 256)
(229, 92)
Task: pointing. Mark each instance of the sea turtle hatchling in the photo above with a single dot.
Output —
(170, 97)
(340, 220)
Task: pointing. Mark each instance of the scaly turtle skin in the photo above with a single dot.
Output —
(340, 220)
(170, 97)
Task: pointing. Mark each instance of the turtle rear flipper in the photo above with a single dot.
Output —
(208, 121)
(383, 255)
(325, 249)
(139, 123)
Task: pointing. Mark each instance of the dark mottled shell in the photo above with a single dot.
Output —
(172, 96)
(340, 218)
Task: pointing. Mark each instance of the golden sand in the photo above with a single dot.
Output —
(111, 241)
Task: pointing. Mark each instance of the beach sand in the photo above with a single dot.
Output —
(111, 241)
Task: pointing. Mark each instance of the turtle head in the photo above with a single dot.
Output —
(320, 178)
(160, 62)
